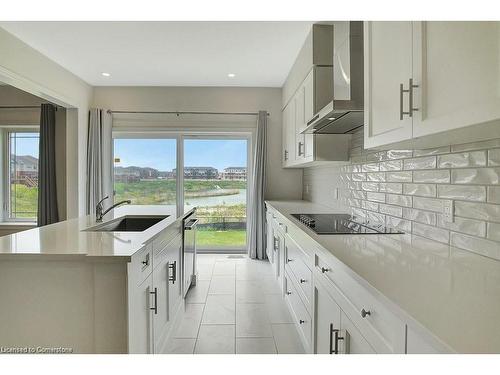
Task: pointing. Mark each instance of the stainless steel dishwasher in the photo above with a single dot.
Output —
(189, 252)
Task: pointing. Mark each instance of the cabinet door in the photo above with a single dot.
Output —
(141, 331)
(456, 66)
(270, 236)
(289, 133)
(326, 320)
(388, 64)
(174, 278)
(299, 123)
(352, 341)
(160, 302)
(309, 109)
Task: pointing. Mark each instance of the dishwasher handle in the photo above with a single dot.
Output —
(191, 224)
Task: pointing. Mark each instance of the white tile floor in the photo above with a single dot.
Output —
(236, 307)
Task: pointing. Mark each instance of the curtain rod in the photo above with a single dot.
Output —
(24, 106)
(189, 113)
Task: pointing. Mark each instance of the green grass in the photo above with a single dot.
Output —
(229, 238)
(24, 201)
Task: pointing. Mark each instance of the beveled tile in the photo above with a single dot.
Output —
(255, 346)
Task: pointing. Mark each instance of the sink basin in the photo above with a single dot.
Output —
(129, 223)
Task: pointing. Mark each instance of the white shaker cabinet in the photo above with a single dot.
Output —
(326, 320)
(141, 331)
(388, 68)
(424, 79)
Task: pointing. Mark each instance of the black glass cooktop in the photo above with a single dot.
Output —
(341, 224)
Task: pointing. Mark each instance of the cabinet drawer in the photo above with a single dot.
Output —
(141, 264)
(382, 329)
(299, 312)
(294, 262)
(166, 236)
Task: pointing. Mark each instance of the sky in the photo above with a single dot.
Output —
(161, 153)
(25, 144)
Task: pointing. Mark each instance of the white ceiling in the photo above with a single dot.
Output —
(260, 54)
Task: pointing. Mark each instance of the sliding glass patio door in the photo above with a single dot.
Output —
(215, 181)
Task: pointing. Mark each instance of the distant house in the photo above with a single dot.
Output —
(199, 173)
(234, 173)
(24, 170)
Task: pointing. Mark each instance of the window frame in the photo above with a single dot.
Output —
(6, 207)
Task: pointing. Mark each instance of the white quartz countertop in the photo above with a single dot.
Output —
(452, 293)
(68, 239)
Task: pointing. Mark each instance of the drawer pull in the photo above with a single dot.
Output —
(145, 262)
(364, 313)
(288, 293)
(323, 269)
(302, 281)
(301, 321)
(289, 260)
(173, 267)
(155, 307)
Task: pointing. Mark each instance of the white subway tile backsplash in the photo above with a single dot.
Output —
(481, 211)
(426, 162)
(494, 157)
(437, 176)
(468, 226)
(424, 217)
(479, 176)
(391, 165)
(400, 200)
(398, 176)
(494, 194)
(462, 192)
(422, 190)
(462, 160)
(429, 204)
(494, 231)
(406, 189)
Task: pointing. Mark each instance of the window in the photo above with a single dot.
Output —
(22, 183)
(144, 171)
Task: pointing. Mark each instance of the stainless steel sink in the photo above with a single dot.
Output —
(128, 223)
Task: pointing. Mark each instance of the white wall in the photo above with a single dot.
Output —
(281, 183)
(25, 68)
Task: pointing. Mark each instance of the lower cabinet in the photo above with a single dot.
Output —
(155, 302)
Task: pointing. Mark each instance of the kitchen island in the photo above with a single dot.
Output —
(64, 286)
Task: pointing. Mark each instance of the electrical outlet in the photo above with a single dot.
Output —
(448, 211)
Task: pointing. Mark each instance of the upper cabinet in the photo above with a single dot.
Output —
(308, 88)
(426, 78)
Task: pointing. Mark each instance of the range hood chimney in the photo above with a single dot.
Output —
(345, 113)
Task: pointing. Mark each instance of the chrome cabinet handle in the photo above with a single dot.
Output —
(155, 307)
(173, 267)
(334, 340)
(286, 155)
(300, 148)
(145, 262)
(411, 86)
(402, 91)
(364, 313)
(301, 321)
(323, 270)
(289, 260)
(288, 293)
(302, 281)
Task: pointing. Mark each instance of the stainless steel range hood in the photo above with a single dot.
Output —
(345, 112)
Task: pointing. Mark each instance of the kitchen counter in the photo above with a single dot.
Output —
(68, 239)
(449, 293)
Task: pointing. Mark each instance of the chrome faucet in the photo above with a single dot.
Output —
(99, 212)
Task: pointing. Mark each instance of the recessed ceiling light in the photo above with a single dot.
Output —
(106, 74)
(231, 75)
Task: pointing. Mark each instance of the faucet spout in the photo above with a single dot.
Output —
(100, 214)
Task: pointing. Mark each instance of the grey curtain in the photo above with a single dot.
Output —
(257, 234)
(47, 189)
(99, 146)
